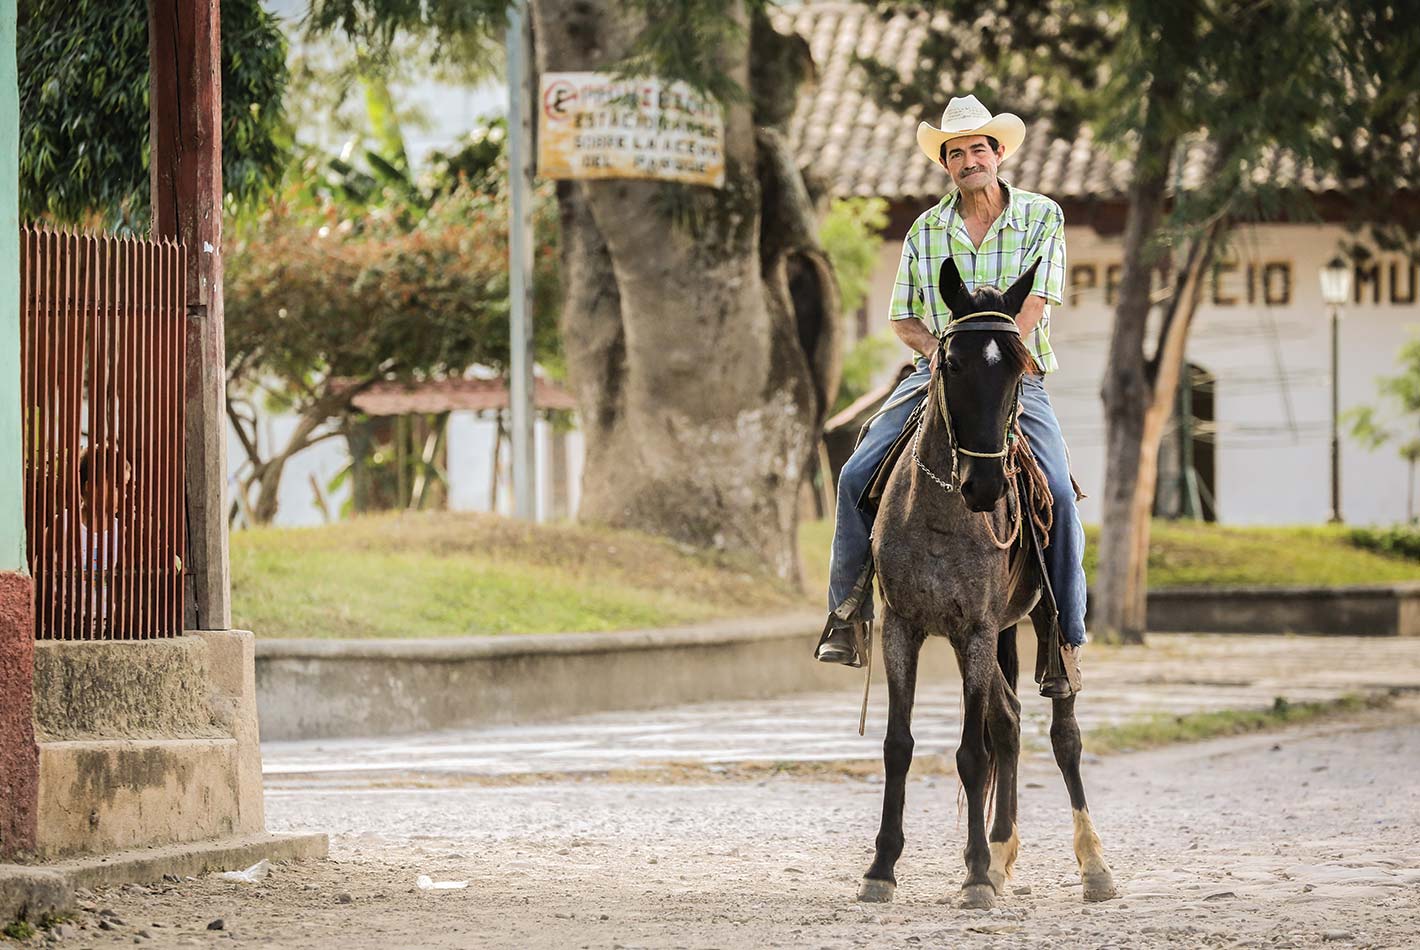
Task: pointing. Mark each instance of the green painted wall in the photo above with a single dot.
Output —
(12, 524)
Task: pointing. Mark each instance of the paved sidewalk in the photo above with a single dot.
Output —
(1176, 673)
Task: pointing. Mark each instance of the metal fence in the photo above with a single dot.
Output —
(103, 352)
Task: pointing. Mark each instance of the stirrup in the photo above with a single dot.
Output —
(842, 642)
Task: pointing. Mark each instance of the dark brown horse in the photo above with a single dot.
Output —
(944, 572)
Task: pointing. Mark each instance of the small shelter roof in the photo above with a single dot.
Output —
(451, 395)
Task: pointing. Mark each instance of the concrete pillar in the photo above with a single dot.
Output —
(19, 757)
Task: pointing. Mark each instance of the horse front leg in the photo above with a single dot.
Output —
(1003, 725)
(1065, 738)
(900, 650)
(977, 658)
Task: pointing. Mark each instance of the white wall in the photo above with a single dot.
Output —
(1272, 364)
(470, 449)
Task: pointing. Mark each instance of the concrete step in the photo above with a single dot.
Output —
(90, 689)
(32, 890)
(115, 794)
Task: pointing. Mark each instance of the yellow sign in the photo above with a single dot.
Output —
(591, 125)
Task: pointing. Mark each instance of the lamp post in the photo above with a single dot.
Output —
(1335, 278)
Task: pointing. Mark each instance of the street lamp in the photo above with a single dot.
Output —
(1335, 288)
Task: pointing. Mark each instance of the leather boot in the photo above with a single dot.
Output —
(840, 642)
(1063, 687)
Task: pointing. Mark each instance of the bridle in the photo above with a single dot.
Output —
(937, 397)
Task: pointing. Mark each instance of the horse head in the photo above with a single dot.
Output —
(977, 379)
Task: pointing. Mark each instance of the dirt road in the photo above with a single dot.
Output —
(1298, 839)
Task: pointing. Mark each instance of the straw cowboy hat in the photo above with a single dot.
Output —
(965, 115)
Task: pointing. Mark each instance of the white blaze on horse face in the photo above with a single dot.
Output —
(992, 353)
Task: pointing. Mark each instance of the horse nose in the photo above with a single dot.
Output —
(976, 499)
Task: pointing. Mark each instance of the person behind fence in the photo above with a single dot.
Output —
(993, 231)
(96, 529)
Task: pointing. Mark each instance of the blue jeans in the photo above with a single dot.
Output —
(1064, 558)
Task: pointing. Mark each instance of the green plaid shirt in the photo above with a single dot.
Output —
(1031, 226)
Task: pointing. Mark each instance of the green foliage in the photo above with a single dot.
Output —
(685, 40)
(1397, 418)
(851, 234)
(1163, 728)
(461, 574)
(315, 293)
(340, 87)
(449, 30)
(83, 70)
(19, 930)
(1396, 541)
(862, 364)
(1199, 554)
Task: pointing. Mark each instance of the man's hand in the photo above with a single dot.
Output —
(915, 334)
(1031, 313)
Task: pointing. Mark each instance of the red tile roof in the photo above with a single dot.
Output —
(448, 395)
(868, 151)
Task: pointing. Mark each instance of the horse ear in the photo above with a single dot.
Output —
(953, 290)
(1020, 290)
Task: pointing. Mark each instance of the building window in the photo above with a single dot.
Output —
(1187, 485)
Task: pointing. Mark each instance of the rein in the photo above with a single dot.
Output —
(1006, 324)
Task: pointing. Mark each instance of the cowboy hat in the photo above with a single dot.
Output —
(965, 115)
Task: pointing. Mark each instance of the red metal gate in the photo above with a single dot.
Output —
(102, 337)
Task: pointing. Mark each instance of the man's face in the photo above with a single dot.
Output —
(972, 163)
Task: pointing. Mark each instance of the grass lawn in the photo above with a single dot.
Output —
(446, 574)
(1197, 554)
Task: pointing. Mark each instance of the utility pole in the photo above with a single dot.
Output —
(520, 256)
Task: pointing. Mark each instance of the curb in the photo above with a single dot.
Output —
(1391, 610)
(308, 689)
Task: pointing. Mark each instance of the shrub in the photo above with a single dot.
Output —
(1398, 541)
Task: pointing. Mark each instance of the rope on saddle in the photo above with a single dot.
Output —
(1022, 460)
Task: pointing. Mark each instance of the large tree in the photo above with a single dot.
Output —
(700, 325)
(1259, 89)
(703, 346)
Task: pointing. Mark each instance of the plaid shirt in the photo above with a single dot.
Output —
(1030, 226)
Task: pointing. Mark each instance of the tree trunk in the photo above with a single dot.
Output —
(267, 476)
(1128, 395)
(703, 354)
(1139, 394)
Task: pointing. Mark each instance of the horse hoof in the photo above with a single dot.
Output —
(1099, 886)
(977, 897)
(873, 891)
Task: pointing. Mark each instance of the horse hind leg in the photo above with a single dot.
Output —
(900, 652)
(1004, 730)
(1089, 853)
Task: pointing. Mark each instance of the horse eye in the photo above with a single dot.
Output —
(953, 364)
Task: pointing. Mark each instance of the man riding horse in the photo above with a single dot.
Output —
(992, 232)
